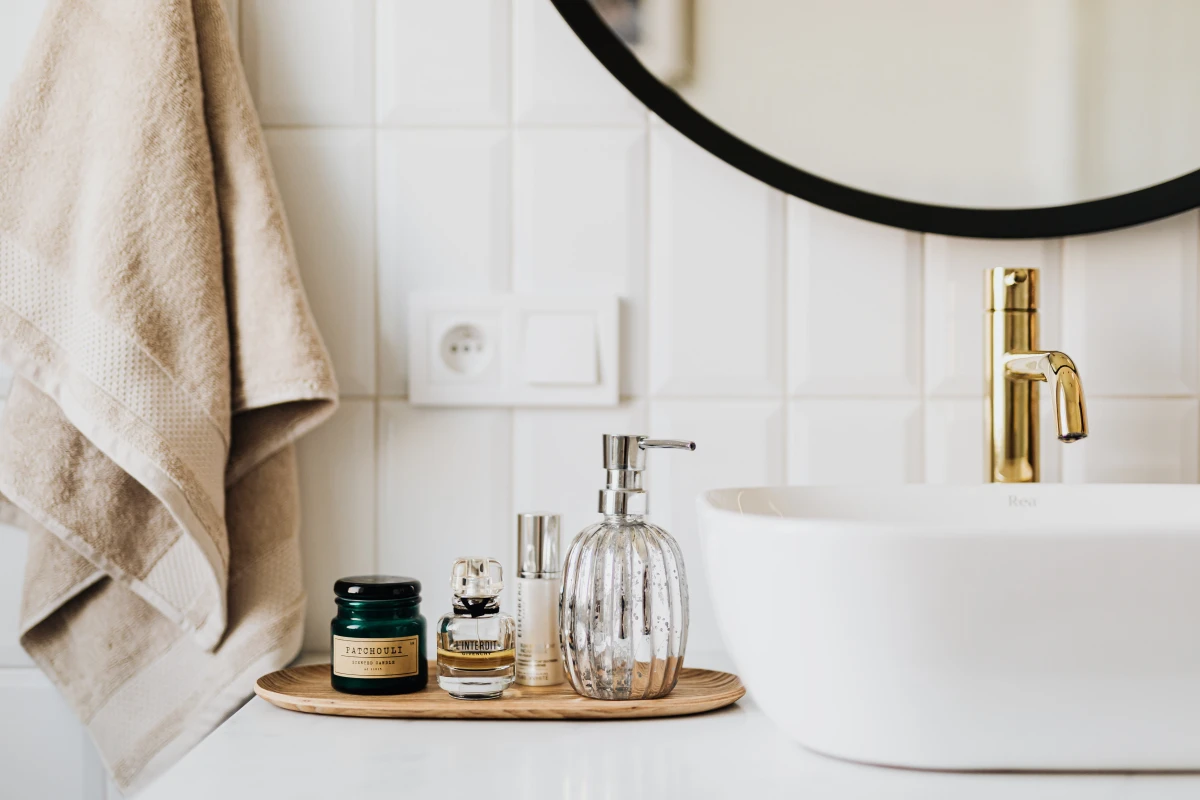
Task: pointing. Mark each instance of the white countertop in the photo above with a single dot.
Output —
(266, 752)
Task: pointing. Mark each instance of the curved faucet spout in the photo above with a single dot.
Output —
(1059, 371)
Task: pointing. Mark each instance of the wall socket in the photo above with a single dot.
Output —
(513, 350)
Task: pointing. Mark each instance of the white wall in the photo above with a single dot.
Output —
(476, 145)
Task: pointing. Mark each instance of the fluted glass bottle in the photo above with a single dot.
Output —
(624, 610)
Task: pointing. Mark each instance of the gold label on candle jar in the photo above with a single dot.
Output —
(375, 658)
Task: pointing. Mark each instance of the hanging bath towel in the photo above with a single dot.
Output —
(166, 360)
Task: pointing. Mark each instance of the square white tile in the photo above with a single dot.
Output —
(1136, 440)
(443, 63)
(1130, 308)
(337, 508)
(854, 441)
(955, 441)
(738, 443)
(854, 305)
(443, 224)
(310, 62)
(955, 281)
(558, 81)
(956, 444)
(44, 751)
(557, 464)
(580, 225)
(716, 275)
(326, 178)
(445, 490)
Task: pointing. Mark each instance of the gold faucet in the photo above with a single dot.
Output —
(1015, 366)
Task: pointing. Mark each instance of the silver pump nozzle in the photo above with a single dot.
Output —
(624, 460)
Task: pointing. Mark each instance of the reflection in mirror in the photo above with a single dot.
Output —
(967, 103)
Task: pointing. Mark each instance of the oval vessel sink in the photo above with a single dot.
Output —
(1031, 627)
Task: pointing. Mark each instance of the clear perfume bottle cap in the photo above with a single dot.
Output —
(476, 578)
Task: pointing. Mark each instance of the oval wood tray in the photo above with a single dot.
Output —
(307, 689)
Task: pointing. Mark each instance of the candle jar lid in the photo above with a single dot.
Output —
(378, 587)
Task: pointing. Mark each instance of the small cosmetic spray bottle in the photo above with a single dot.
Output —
(539, 581)
(475, 641)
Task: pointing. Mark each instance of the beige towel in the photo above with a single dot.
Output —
(167, 359)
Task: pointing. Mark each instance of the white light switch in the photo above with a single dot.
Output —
(561, 349)
(513, 350)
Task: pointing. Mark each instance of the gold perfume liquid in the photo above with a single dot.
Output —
(476, 661)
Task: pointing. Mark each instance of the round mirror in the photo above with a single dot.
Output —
(1026, 118)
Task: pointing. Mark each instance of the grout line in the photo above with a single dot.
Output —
(785, 351)
(1060, 456)
(377, 450)
(541, 126)
(377, 464)
(702, 398)
(376, 411)
(512, 63)
(647, 265)
(920, 344)
(500, 531)
(511, 128)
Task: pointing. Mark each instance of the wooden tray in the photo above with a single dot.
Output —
(307, 689)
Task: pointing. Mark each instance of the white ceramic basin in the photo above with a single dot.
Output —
(1041, 627)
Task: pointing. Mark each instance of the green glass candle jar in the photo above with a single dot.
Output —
(378, 635)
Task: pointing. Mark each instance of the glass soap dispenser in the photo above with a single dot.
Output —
(476, 644)
(623, 615)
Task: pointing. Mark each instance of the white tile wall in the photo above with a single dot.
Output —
(327, 181)
(955, 448)
(716, 275)
(868, 441)
(443, 63)
(310, 62)
(337, 507)
(557, 80)
(444, 223)
(580, 224)
(1145, 440)
(44, 751)
(1130, 308)
(444, 488)
(476, 145)
(854, 305)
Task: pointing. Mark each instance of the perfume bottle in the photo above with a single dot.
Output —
(476, 644)
(539, 573)
(623, 616)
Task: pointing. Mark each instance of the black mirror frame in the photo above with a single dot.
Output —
(1119, 211)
